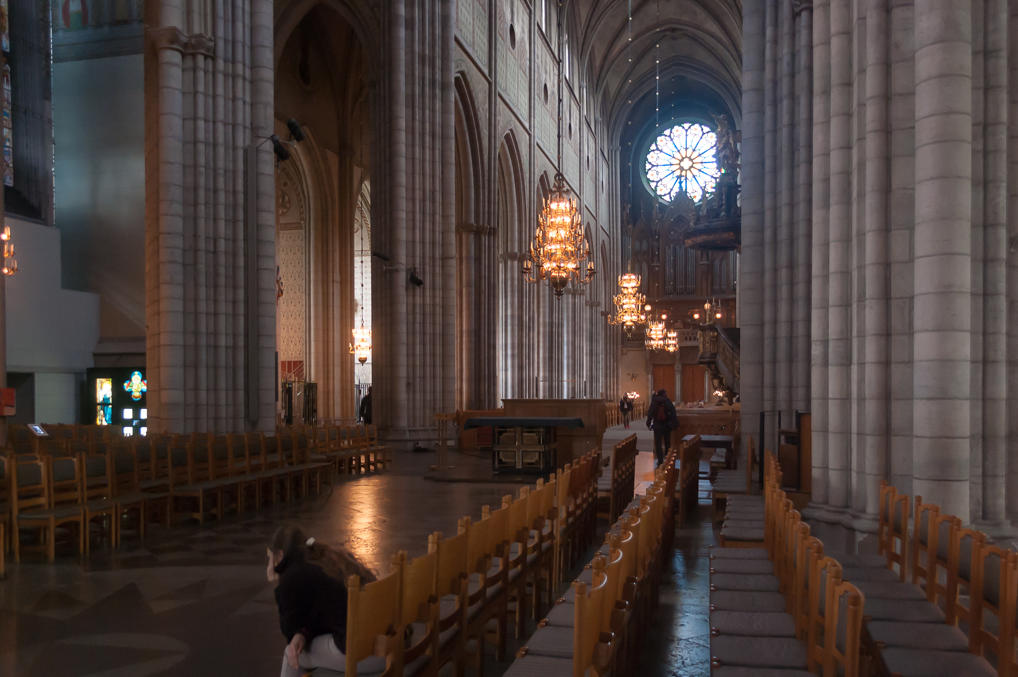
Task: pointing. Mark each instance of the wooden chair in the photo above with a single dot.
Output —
(516, 556)
(451, 589)
(992, 578)
(37, 503)
(97, 496)
(541, 545)
(965, 545)
(580, 659)
(923, 546)
(897, 532)
(493, 528)
(418, 615)
(372, 620)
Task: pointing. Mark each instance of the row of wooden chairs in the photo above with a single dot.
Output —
(436, 609)
(592, 629)
(614, 417)
(688, 482)
(781, 606)
(353, 449)
(615, 489)
(136, 477)
(940, 597)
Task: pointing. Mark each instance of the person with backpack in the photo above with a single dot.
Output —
(662, 419)
(626, 408)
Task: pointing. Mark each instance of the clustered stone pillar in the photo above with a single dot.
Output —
(415, 363)
(210, 278)
(913, 295)
(774, 275)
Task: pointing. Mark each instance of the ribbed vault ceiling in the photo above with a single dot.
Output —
(695, 46)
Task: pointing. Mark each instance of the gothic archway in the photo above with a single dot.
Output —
(475, 275)
(323, 75)
(516, 367)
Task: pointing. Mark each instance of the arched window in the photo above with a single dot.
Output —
(683, 158)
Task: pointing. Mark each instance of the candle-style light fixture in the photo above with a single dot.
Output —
(559, 252)
(629, 303)
(711, 311)
(9, 265)
(360, 347)
(656, 332)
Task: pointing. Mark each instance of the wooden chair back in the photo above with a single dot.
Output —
(418, 604)
(372, 619)
(923, 546)
(961, 577)
(841, 634)
(452, 565)
(897, 532)
(990, 594)
(239, 462)
(97, 476)
(29, 484)
(587, 624)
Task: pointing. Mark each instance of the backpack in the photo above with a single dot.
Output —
(660, 414)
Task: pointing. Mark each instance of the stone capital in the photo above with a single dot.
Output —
(171, 37)
(799, 6)
(475, 228)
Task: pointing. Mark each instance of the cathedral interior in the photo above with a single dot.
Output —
(594, 337)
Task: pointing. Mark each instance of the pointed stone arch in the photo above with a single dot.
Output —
(476, 279)
(517, 372)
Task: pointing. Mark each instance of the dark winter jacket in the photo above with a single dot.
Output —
(669, 417)
(310, 602)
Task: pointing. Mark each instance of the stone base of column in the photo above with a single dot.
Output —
(864, 523)
(1001, 530)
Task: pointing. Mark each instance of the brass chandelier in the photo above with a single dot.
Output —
(656, 332)
(629, 303)
(559, 252)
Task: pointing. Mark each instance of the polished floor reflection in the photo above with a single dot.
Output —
(194, 601)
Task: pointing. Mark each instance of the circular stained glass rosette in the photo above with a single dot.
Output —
(683, 158)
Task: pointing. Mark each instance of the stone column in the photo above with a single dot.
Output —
(943, 232)
(784, 163)
(902, 224)
(839, 318)
(210, 224)
(994, 364)
(751, 261)
(820, 244)
(803, 186)
(875, 368)
(769, 277)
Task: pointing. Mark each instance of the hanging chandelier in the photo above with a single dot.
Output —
(10, 264)
(672, 341)
(656, 333)
(361, 346)
(629, 303)
(559, 252)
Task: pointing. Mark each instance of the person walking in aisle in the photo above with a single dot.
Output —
(626, 408)
(662, 419)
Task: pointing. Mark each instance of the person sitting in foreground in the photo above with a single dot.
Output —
(311, 597)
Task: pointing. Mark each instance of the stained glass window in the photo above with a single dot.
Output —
(103, 401)
(683, 159)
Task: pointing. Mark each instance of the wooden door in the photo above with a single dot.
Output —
(692, 382)
(664, 377)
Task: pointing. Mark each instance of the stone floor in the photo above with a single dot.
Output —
(194, 601)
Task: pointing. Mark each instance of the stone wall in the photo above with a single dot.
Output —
(912, 176)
